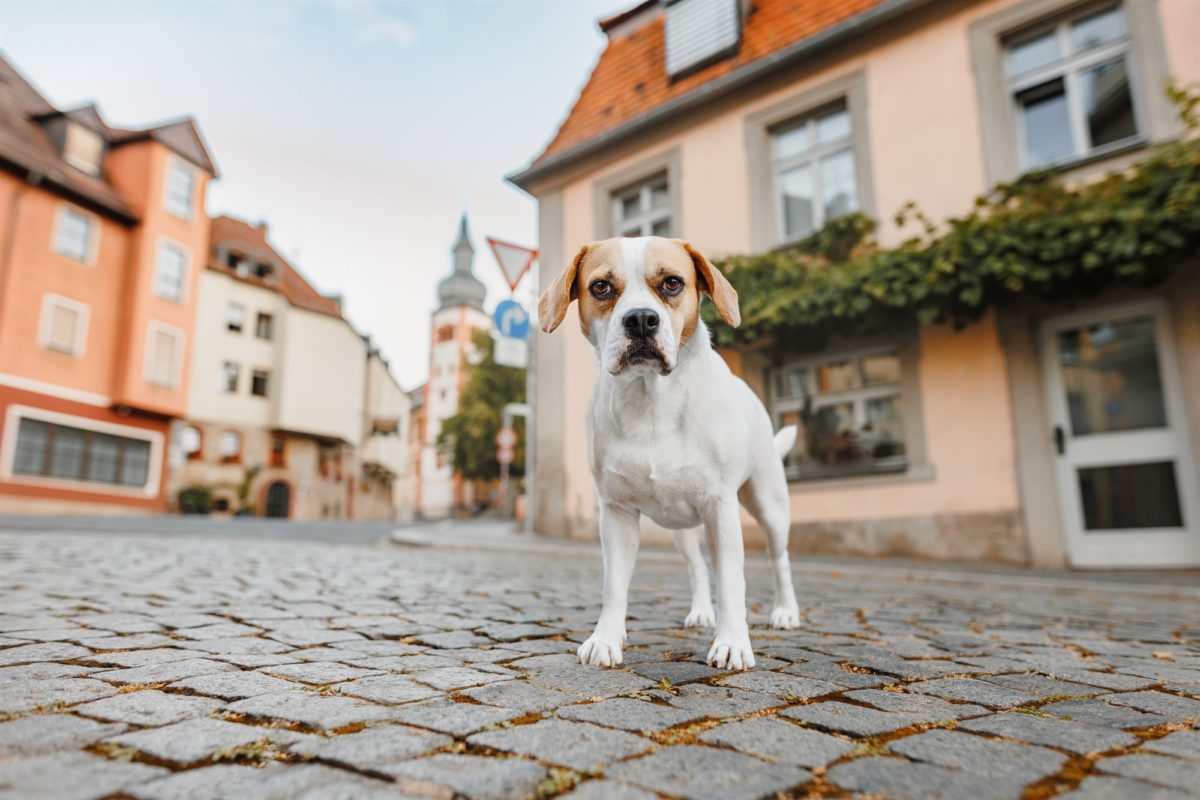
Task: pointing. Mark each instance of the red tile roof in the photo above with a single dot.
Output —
(631, 77)
(251, 241)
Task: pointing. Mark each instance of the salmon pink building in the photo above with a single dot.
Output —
(102, 239)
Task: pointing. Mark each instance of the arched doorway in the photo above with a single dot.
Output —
(279, 500)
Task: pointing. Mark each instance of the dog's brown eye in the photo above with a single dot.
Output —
(672, 286)
(601, 290)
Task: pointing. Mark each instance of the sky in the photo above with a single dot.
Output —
(358, 130)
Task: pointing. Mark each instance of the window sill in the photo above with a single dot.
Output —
(919, 473)
(1069, 166)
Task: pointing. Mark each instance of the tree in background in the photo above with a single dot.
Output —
(468, 438)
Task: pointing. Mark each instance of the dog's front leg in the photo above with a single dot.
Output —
(619, 535)
(731, 641)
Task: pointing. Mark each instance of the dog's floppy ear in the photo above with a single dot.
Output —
(552, 308)
(714, 284)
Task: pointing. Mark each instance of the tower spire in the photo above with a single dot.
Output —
(461, 287)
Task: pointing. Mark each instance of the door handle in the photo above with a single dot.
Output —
(1060, 440)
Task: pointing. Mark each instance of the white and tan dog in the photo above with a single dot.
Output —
(673, 435)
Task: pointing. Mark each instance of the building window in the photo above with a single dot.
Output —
(1070, 87)
(64, 325)
(164, 347)
(445, 333)
(230, 446)
(235, 317)
(258, 382)
(49, 450)
(180, 190)
(848, 410)
(813, 171)
(83, 149)
(278, 451)
(75, 235)
(264, 326)
(643, 209)
(191, 441)
(170, 271)
(229, 377)
(699, 32)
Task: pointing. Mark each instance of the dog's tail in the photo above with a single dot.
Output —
(785, 440)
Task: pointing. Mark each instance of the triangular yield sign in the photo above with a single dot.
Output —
(514, 260)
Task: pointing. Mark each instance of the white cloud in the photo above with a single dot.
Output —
(374, 20)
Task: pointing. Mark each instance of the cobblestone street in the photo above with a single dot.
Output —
(162, 669)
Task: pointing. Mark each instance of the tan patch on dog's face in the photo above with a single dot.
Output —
(666, 262)
(603, 262)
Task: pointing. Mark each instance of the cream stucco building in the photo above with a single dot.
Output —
(1048, 434)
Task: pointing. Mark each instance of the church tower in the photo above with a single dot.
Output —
(459, 314)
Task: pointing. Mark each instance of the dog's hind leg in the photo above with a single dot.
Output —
(765, 496)
(701, 614)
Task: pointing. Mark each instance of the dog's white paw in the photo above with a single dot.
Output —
(700, 618)
(731, 652)
(785, 617)
(601, 650)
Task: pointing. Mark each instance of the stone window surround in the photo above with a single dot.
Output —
(850, 88)
(164, 243)
(669, 161)
(907, 344)
(93, 245)
(1147, 67)
(83, 315)
(153, 328)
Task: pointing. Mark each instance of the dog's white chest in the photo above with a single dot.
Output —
(663, 483)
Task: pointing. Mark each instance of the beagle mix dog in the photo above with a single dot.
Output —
(674, 436)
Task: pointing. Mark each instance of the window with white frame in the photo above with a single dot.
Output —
(229, 377)
(235, 317)
(264, 326)
(259, 380)
(63, 326)
(181, 189)
(1070, 87)
(74, 234)
(164, 346)
(229, 446)
(813, 171)
(847, 409)
(643, 209)
(83, 148)
(170, 271)
(49, 450)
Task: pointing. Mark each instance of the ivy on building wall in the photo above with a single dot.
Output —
(1038, 236)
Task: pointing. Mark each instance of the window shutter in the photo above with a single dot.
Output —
(698, 31)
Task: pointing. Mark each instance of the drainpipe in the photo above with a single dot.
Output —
(32, 178)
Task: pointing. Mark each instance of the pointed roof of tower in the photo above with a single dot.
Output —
(461, 287)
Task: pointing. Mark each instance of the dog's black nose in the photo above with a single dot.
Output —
(640, 323)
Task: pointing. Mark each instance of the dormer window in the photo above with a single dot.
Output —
(262, 270)
(83, 148)
(180, 190)
(699, 32)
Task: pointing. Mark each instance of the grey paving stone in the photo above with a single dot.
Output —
(447, 716)
(318, 674)
(404, 664)
(780, 685)
(378, 748)
(190, 741)
(1106, 680)
(832, 672)
(776, 740)
(1104, 787)
(1043, 687)
(310, 709)
(239, 645)
(459, 677)
(303, 634)
(629, 715)
(164, 673)
(272, 782)
(570, 744)
(454, 639)
(854, 720)
(1173, 707)
(118, 623)
(980, 756)
(387, 689)
(20, 696)
(149, 707)
(219, 630)
(934, 709)
(235, 685)
(607, 790)
(1098, 712)
(471, 776)
(42, 671)
(1174, 773)
(1184, 744)
(520, 695)
(137, 658)
(677, 672)
(1075, 737)
(903, 780)
(591, 681)
(70, 776)
(133, 641)
(705, 773)
(47, 651)
(720, 702)
(970, 690)
(50, 733)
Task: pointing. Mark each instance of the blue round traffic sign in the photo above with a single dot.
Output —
(511, 319)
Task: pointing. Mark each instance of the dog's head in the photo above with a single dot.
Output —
(639, 300)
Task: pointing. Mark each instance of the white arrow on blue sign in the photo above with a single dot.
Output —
(512, 320)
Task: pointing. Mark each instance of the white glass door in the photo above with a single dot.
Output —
(1124, 464)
